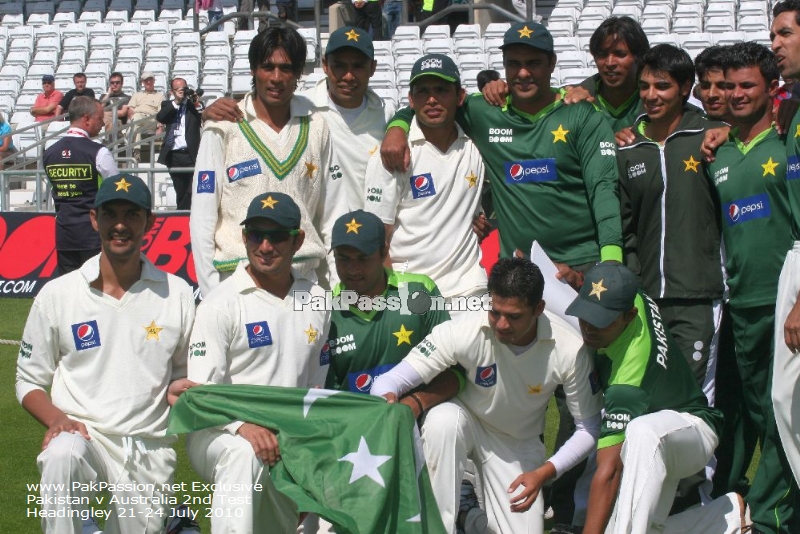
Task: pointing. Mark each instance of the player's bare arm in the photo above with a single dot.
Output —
(713, 140)
(39, 405)
(603, 490)
(569, 275)
(532, 482)
(495, 92)
(395, 153)
(223, 109)
(481, 226)
(177, 387)
(791, 328)
(442, 388)
(264, 442)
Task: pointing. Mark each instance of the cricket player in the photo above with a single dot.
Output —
(107, 341)
(430, 207)
(514, 357)
(280, 145)
(785, 34)
(355, 115)
(372, 335)
(552, 167)
(251, 330)
(657, 425)
(749, 173)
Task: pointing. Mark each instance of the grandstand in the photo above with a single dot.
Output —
(62, 37)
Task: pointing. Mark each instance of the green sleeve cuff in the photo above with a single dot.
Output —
(610, 441)
(399, 123)
(462, 381)
(611, 252)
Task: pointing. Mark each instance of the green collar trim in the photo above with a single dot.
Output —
(391, 281)
(617, 112)
(280, 169)
(542, 112)
(744, 148)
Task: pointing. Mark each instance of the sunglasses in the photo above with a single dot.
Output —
(116, 82)
(274, 236)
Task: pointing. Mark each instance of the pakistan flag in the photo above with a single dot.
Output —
(353, 459)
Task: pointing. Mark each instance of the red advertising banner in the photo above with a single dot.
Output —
(28, 250)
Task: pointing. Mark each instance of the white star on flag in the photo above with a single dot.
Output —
(365, 464)
(315, 395)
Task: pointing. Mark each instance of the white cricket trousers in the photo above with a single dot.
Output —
(659, 450)
(786, 370)
(450, 436)
(229, 461)
(143, 465)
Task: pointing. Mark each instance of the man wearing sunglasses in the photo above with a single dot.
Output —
(249, 330)
(119, 97)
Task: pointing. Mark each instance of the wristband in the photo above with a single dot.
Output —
(419, 403)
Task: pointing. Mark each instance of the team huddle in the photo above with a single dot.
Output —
(678, 228)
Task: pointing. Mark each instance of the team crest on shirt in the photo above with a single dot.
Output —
(486, 376)
(422, 185)
(205, 181)
(531, 171)
(362, 381)
(793, 168)
(244, 170)
(747, 209)
(258, 334)
(86, 335)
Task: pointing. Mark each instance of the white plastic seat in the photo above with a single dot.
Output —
(22, 57)
(382, 79)
(472, 61)
(729, 38)
(39, 19)
(77, 57)
(101, 69)
(572, 59)
(586, 27)
(104, 55)
(405, 61)
(144, 16)
(438, 46)
(170, 15)
(104, 29)
(153, 28)
(575, 76)
(15, 72)
(309, 35)
(748, 8)
(657, 11)
(655, 26)
(406, 33)
(632, 11)
(492, 46)
(720, 24)
(90, 17)
(129, 28)
(467, 31)
(32, 86)
(21, 118)
(116, 17)
(687, 25)
(218, 51)
(498, 29)
(240, 66)
(215, 66)
(407, 47)
(24, 102)
(468, 46)
(753, 23)
(387, 94)
(241, 84)
(560, 29)
(664, 38)
(436, 31)
(52, 44)
(696, 40)
(595, 13)
(761, 37)
(564, 14)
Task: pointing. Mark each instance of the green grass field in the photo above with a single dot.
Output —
(22, 438)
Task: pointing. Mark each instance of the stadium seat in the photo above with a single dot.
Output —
(405, 33)
(565, 44)
(687, 24)
(496, 29)
(557, 29)
(729, 38)
(696, 40)
(720, 24)
(438, 46)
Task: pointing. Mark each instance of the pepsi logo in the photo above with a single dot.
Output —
(233, 173)
(363, 382)
(734, 212)
(204, 178)
(421, 183)
(258, 330)
(326, 347)
(516, 171)
(85, 332)
(487, 373)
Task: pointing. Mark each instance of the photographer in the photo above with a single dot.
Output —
(181, 116)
